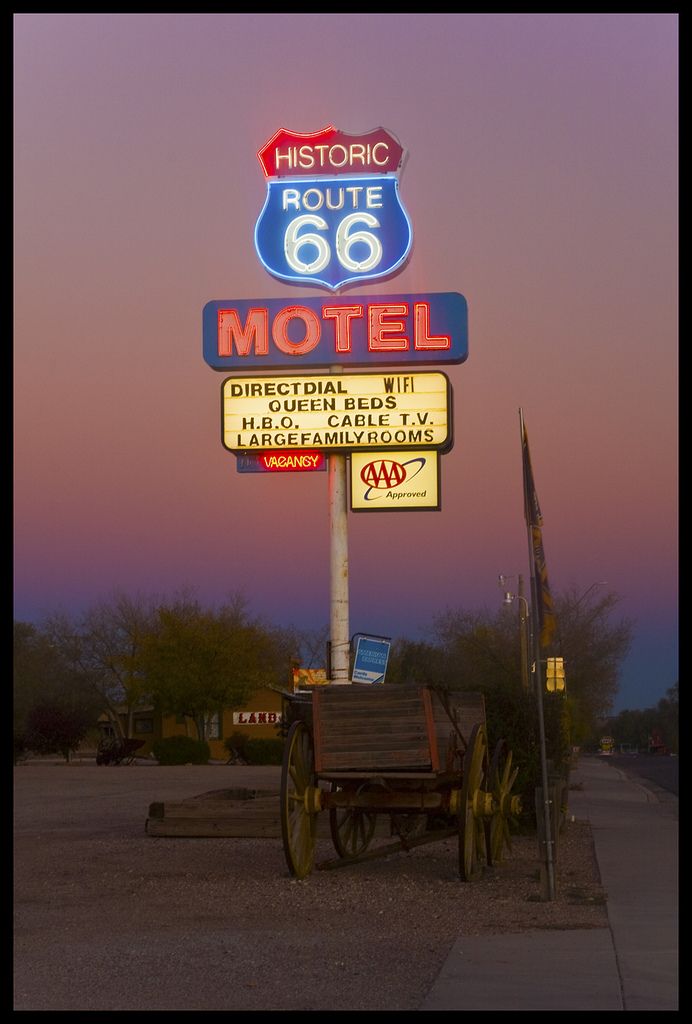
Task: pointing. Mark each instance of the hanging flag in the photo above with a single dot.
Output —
(534, 522)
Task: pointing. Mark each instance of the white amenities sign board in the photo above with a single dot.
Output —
(366, 411)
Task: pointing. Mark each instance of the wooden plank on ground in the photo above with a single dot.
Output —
(232, 813)
(216, 817)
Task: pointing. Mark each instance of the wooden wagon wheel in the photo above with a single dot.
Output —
(505, 806)
(472, 841)
(352, 828)
(298, 817)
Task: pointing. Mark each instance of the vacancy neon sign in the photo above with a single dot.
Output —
(282, 462)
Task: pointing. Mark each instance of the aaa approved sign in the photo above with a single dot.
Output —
(395, 481)
(337, 412)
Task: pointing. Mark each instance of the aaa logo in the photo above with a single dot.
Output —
(385, 474)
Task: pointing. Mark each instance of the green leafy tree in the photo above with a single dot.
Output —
(198, 661)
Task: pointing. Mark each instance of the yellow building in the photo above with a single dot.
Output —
(260, 718)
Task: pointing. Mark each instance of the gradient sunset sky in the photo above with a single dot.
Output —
(541, 181)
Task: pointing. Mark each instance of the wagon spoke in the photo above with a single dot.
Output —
(352, 828)
(472, 833)
(502, 780)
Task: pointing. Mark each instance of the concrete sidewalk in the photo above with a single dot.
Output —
(632, 964)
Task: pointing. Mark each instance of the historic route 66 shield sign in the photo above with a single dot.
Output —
(333, 214)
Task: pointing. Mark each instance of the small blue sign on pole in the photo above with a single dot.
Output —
(370, 660)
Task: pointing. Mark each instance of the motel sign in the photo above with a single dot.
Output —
(364, 330)
(333, 216)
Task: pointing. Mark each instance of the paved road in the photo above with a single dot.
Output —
(660, 769)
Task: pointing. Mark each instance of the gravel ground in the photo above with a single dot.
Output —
(113, 919)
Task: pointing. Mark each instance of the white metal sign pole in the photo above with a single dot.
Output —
(338, 563)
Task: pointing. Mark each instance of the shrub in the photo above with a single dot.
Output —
(254, 751)
(53, 728)
(181, 750)
(264, 751)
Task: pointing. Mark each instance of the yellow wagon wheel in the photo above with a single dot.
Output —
(473, 807)
(505, 806)
(352, 828)
(298, 813)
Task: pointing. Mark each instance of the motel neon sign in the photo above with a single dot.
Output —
(362, 331)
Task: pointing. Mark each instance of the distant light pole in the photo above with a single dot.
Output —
(544, 791)
(524, 625)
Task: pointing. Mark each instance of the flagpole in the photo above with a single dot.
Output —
(547, 817)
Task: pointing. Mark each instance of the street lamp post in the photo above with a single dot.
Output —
(524, 625)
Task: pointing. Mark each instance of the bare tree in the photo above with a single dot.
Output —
(105, 647)
(54, 701)
(593, 644)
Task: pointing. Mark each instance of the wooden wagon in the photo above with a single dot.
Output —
(416, 754)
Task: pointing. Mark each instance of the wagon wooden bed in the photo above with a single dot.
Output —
(417, 754)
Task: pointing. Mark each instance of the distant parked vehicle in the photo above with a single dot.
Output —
(656, 744)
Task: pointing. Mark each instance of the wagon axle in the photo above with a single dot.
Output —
(386, 801)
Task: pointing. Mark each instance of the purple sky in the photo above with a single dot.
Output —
(541, 181)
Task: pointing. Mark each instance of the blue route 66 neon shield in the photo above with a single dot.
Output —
(331, 231)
